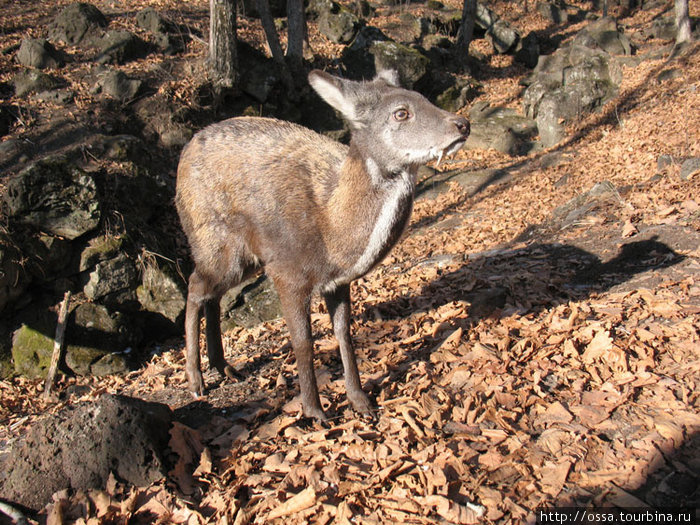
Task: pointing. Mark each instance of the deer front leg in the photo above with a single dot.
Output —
(295, 307)
(338, 303)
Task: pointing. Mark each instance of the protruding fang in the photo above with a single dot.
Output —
(437, 164)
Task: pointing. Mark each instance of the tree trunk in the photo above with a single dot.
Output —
(223, 57)
(682, 22)
(466, 31)
(295, 36)
(273, 41)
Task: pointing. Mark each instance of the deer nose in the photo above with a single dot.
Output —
(462, 125)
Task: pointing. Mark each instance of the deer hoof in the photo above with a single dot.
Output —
(362, 404)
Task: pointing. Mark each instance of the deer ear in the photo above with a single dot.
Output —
(390, 76)
(333, 90)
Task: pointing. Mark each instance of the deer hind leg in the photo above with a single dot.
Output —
(215, 348)
(197, 291)
(204, 293)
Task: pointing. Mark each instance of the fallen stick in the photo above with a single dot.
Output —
(14, 514)
(57, 344)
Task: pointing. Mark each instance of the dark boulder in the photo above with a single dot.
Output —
(55, 196)
(81, 446)
(77, 22)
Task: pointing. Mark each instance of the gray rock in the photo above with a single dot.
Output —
(457, 96)
(123, 147)
(664, 161)
(503, 38)
(119, 47)
(77, 22)
(689, 167)
(99, 249)
(485, 17)
(553, 12)
(163, 295)
(32, 348)
(410, 64)
(56, 96)
(502, 129)
(80, 446)
(581, 205)
(447, 21)
(111, 364)
(54, 196)
(604, 34)
(357, 61)
(111, 276)
(94, 325)
(151, 20)
(176, 136)
(38, 53)
(572, 81)
(664, 28)
(338, 24)
(117, 85)
(46, 256)
(408, 28)
(250, 304)
(33, 81)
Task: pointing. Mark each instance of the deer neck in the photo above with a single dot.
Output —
(367, 213)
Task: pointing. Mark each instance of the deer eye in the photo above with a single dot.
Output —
(401, 114)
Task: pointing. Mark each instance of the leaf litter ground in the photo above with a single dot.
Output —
(521, 355)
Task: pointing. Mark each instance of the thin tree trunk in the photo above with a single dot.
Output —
(466, 30)
(273, 41)
(223, 56)
(682, 22)
(295, 35)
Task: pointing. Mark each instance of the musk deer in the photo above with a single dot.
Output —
(315, 213)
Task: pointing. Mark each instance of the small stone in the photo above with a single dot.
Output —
(111, 276)
(690, 167)
(38, 53)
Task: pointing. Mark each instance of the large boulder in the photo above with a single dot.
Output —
(38, 53)
(410, 63)
(119, 47)
(55, 196)
(604, 34)
(83, 445)
(77, 22)
(338, 24)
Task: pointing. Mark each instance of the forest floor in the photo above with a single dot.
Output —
(529, 343)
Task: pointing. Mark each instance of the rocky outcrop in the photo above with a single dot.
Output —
(575, 79)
